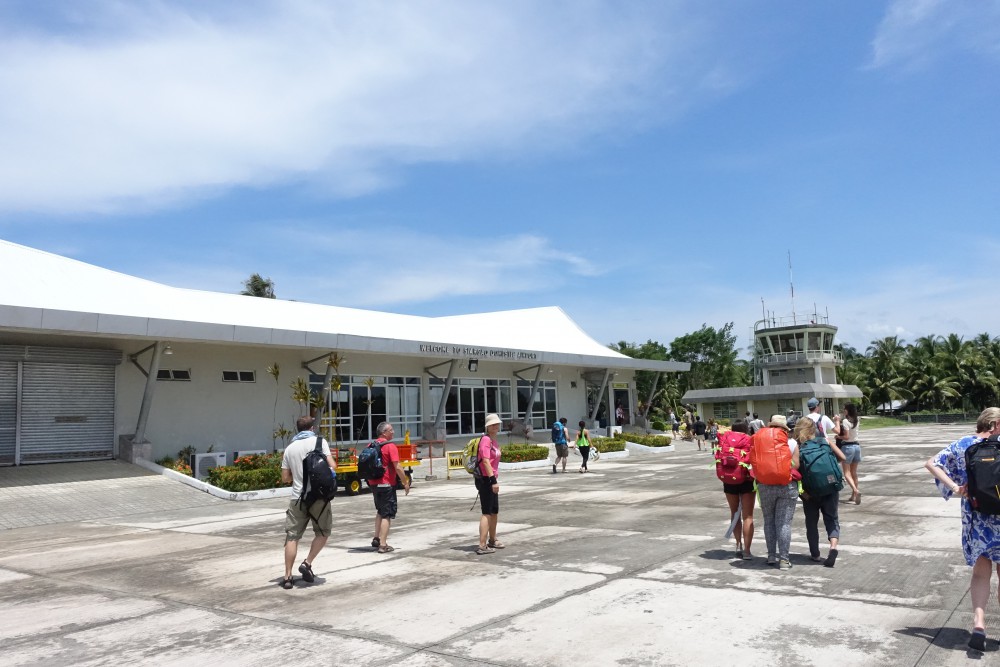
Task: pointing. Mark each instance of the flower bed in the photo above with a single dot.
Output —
(170, 463)
(647, 440)
(605, 445)
(521, 452)
(248, 473)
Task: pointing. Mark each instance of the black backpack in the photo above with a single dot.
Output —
(982, 461)
(319, 481)
(370, 464)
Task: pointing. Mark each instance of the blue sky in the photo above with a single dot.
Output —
(647, 166)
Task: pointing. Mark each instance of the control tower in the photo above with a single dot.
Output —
(794, 360)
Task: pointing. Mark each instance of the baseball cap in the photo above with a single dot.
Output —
(812, 403)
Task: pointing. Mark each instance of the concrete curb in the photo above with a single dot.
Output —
(263, 494)
(614, 455)
(643, 449)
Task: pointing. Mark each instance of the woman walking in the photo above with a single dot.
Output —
(488, 487)
(847, 431)
(583, 444)
(980, 532)
(731, 455)
(775, 460)
(811, 444)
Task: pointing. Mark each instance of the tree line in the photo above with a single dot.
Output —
(934, 373)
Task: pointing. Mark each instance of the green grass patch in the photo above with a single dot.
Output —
(881, 422)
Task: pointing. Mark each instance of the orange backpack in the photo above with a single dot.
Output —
(770, 456)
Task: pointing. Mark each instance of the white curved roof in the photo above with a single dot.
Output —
(56, 294)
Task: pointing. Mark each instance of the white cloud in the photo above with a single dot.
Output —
(867, 301)
(145, 104)
(916, 32)
(381, 267)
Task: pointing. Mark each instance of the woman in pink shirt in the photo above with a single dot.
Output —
(489, 489)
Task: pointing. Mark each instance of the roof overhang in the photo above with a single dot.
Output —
(777, 391)
(63, 297)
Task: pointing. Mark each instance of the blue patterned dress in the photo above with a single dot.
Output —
(980, 532)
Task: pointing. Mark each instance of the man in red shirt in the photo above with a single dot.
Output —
(384, 490)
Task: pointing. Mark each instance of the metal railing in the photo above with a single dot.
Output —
(811, 355)
(791, 321)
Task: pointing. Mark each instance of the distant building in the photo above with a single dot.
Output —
(794, 360)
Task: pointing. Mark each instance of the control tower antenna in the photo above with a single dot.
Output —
(791, 285)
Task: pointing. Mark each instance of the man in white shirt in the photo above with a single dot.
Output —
(823, 423)
(297, 516)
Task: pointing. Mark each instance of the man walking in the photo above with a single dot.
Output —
(675, 424)
(297, 516)
(824, 424)
(384, 489)
(560, 437)
(756, 424)
(699, 431)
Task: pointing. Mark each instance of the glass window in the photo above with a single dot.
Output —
(355, 410)
(543, 410)
(786, 405)
(724, 410)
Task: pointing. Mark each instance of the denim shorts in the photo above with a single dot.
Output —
(852, 451)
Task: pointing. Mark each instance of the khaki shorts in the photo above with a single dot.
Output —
(562, 451)
(296, 519)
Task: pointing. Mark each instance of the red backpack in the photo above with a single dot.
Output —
(770, 456)
(732, 458)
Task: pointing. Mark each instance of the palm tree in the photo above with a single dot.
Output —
(887, 357)
(258, 286)
(275, 371)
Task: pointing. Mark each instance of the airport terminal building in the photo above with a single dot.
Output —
(93, 362)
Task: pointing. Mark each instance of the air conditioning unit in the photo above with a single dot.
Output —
(239, 453)
(202, 463)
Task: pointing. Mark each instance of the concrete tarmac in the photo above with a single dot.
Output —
(625, 565)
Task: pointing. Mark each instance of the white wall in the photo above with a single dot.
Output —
(228, 415)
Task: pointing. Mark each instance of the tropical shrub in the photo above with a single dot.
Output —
(177, 465)
(649, 440)
(257, 461)
(518, 453)
(659, 425)
(231, 478)
(604, 445)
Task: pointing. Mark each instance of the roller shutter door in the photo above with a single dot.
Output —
(8, 411)
(67, 412)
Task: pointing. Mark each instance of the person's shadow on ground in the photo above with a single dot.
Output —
(952, 639)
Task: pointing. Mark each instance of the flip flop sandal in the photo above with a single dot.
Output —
(496, 545)
(287, 584)
(978, 640)
(480, 551)
(375, 543)
(386, 549)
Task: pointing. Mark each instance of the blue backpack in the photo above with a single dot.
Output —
(557, 433)
(370, 464)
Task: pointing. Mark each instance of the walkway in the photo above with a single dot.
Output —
(625, 565)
